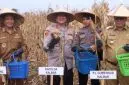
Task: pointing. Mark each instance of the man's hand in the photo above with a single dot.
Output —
(99, 43)
(126, 47)
(54, 41)
(93, 48)
(7, 57)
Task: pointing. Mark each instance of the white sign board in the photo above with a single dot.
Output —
(51, 71)
(2, 70)
(103, 75)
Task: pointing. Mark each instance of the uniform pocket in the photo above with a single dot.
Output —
(3, 39)
(3, 45)
(126, 38)
(17, 38)
(111, 40)
(68, 39)
(82, 36)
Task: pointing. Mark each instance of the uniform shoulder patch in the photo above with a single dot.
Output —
(46, 32)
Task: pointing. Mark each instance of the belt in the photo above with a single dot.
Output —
(114, 64)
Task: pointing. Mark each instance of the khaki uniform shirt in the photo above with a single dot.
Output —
(10, 41)
(55, 55)
(113, 39)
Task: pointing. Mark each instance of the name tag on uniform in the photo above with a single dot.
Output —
(51, 71)
(2, 70)
(103, 74)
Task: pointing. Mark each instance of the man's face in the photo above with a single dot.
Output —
(9, 21)
(61, 19)
(120, 21)
(86, 21)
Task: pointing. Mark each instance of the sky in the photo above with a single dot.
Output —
(33, 5)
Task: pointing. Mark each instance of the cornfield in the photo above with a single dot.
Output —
(33, 29)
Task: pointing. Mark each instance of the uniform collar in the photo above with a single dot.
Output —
(87, 28)
(9, 32)
(58, 26)
(125, 27)
(63, 28)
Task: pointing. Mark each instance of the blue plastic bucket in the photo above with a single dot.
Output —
(85, 62)
(18, 69)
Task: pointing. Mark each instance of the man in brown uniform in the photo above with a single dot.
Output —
(114, 37)
(11, 38)
(58, 38)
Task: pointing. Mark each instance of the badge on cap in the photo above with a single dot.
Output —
(3, 45)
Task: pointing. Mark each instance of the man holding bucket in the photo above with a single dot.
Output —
(11, 38)
(116, 40)
(85, 39)
(58, 38)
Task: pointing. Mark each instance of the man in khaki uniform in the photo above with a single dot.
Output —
(11, 38)
(114, 37)
(58, 38)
